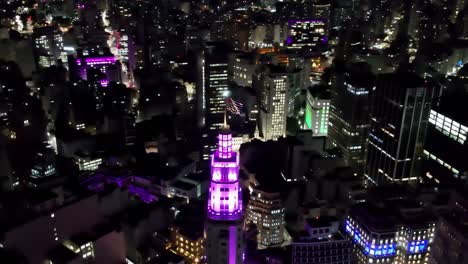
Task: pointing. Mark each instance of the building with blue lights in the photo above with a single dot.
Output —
(395, 232)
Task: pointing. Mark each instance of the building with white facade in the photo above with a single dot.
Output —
(265, 209)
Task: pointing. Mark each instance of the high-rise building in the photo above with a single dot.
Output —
(349, 116)
(48, 46)
(224, 237)
(273, 90)
(265, 209)
(399, 116)
(216, 88)
(212, 92)
(396, 232)
(317, 111)
(447, 130)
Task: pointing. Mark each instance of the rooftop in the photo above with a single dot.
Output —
(190, 220)
(186, 186)
(387, 215)
(61, 254)
(449, 105)
(322, 221)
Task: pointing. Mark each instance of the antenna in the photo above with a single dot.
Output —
(225, 118)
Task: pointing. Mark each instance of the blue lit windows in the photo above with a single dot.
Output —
(373, 250)
(415, 247)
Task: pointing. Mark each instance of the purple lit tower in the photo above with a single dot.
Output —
(224, 236)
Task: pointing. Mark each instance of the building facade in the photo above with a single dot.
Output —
(274, 106)
(322, 242)
(48, 46)
(317, 112)
(447, 129)
(265, 209)
(451, 241)
(349, 116)
(306, 33)
(399, 116)
(382, 235)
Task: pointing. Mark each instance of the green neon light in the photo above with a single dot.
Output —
(308, 116)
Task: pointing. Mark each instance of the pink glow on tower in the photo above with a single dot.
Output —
(224, 201)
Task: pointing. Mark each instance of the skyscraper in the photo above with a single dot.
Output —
(349, 116)
(224, 243)
(212, 91)
(273, 90)
(399, 115)
(212, 85)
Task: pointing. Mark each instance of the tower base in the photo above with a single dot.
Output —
(224, 242)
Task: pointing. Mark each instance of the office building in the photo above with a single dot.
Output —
(215, 87)
(86, 162)
(349, 114)
(186, 237)
(321, 241)
(95, 67)
(272, 89)
(317, 110)
(188, 246)
(447, 129)
(224, 235)
(102, 243)
(243, 68)
(399, 116)
(212, 92)
(48, 46)
(395, 231)
(44, 163)
(309, 34)
(265, 209)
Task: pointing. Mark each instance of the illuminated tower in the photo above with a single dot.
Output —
(224, 243)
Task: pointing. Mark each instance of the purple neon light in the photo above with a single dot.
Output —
(232, 244)
(225, 146)
(142, 193)
(104, 83)
(224, 200)
(96, 61)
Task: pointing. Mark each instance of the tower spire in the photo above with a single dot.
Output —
(225, 118)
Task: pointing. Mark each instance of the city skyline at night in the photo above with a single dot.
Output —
(233, 132)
